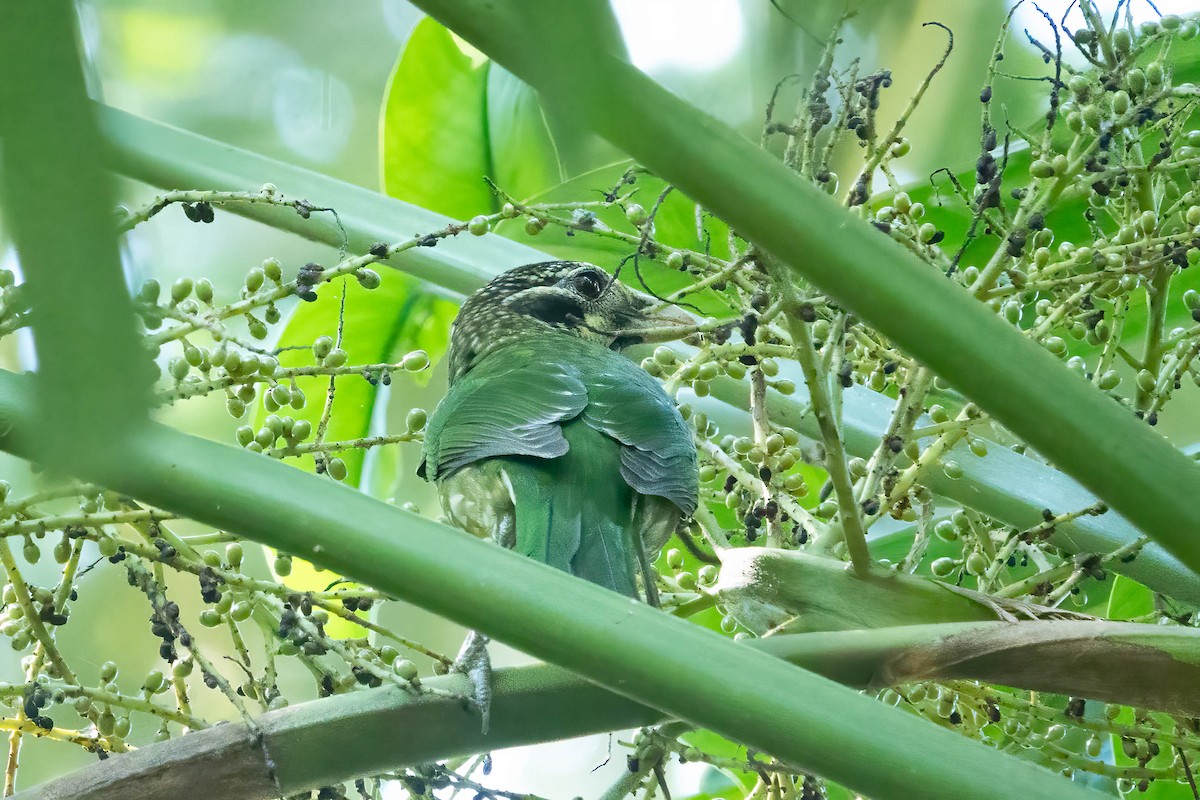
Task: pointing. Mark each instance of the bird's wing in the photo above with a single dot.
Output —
(512, 410)
(658, 457)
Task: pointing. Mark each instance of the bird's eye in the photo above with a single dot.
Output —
(589, 284)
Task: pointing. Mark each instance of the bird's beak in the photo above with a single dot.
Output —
(655, 321)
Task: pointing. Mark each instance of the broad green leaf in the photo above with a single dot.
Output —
(433, 141)
(451, 118)
(1129, 599)
(524, 158)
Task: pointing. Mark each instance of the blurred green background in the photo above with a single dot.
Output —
(303, 81)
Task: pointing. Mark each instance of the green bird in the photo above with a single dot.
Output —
(550, 441)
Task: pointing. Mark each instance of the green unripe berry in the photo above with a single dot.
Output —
(154, 681)
(234, 555)
(946, 530)
(938, 414)
(1155, 74)
(281, 394)
(31, 552)
(1122, 40)
(368, 279)
(254, 279)
(902, 202)
(282, 565)
(322, 346)
(978, 447)
(265, 437)
(415, 361)
(708, 371)
(1120, 102)
(664, 356)
(1148, 222)
(675, 260)
(301, 430)
(636, 214)
(272, 269)
(108, 672)
(204, 290)
(1056, 345)
(108, 546)
(674, 558)
(534, 226)
(784, 386)
(1146, 380)
(62, 552)
(241, 611)
(953, 470)
(404, 668)
(337, 469)
(178, 368)
(942, 567)
(235, 407)
(149, 291)
(1109, 380)
(795, 484)
(708, 473)
(7, 278)
(5, 488)
(977, 563)
(337, 357)
(769, 367)
(297, 398)
(257, 328)
(1041, 169)
(478, 226)
(210, 618)
(244, 435)
(416, 419)
(181, 289)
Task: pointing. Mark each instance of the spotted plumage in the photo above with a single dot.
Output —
(552, 442)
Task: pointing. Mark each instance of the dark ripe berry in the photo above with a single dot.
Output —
(895, 443)
(378, 249)
(989, 138)
(205, 210)
(1075, 707)
(889, 367)
(870, 507)
(937, 237)
(749, 327)
(190, 212)
(985, 169)
(955, 717)
(1037, 221)
(1047, 514)
(749, 361)
(632, 763)
(985, 96)
(730, 483)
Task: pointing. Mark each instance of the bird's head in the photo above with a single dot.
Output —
(573, 298)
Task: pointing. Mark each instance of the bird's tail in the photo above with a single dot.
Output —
(575, 512)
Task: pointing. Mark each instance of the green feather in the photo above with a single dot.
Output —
(594, 450)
